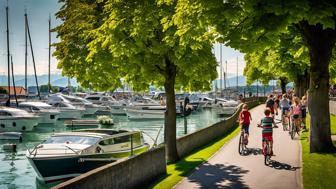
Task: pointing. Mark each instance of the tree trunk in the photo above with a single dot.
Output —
(170, 119)
(301, 84)
(283, 83)
(320, 43)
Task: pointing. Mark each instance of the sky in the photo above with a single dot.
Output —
(38, 13)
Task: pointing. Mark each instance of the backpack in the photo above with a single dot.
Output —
(270, 103)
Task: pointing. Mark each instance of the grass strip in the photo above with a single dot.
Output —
(177, 171)
(333, 124)
(318, 168)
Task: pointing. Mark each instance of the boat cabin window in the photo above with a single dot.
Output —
(59, 105)
(122, 139)
(5, 113)
(93, 98)
(72, 140)
(116, 140)
(105, 99)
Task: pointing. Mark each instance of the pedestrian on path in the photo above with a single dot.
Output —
(304, 104)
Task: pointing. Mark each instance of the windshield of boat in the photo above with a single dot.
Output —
(70, 139)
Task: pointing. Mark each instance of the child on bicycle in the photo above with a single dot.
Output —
(244, 120)
(296, 113)
(285, 106)
(267, 133)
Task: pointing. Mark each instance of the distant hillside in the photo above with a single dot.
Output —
(56, 80)
(232, 81)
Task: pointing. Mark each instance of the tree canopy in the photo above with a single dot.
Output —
(140, 42)
(252, 26)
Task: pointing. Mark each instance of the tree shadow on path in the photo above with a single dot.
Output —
(219, 176)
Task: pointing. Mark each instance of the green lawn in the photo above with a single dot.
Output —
(177, 171)
(319, 169)
(333, 124)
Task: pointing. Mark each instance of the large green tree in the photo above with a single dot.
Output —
(252, 25)
(138, 41)
(286, 60)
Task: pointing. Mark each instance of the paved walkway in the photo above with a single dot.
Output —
(228, 169)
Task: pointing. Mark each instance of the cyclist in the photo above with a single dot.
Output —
(267, 133)
(285, 106)
(270, 104)
(296, 112)
(245, 119)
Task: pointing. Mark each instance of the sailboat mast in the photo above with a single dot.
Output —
(26, 55)
(237, 75)
(225, 74)
(17, 104)
(32, 52)
(8, 55)
(49, 85)
(220, 69)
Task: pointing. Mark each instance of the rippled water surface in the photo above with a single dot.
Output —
(16, 172)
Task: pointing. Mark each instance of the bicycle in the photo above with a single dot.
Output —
(285, 120)
(267, 150)
(295, 127)
(242, 142)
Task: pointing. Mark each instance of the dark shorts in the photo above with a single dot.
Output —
(246, 128)
(285, 110)
(296, 116)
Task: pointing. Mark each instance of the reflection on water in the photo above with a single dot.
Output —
(16, 172)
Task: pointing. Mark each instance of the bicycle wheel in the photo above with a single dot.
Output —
(293, 131)
(284, 123)
(241, 144)
(267, 152)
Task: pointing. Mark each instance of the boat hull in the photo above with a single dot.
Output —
(118, 110)
(226, 110)
(52, 169)
(18, 124)
(144, 114)
(70, 114)
(48, 117)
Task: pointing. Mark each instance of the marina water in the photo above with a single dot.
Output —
(16, 172)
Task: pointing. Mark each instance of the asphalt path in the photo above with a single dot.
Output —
(228, 169)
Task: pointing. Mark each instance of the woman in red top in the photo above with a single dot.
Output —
(245, 119)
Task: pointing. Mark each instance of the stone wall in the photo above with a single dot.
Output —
(134, 172)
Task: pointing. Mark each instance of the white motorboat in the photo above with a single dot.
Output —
(117, 107)
(90, 108)
(225, 107)
(205, 102)
(146, 112)
(66, 155)
(48, 114)
(16, 120)
(68, 111)
(139, 101)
